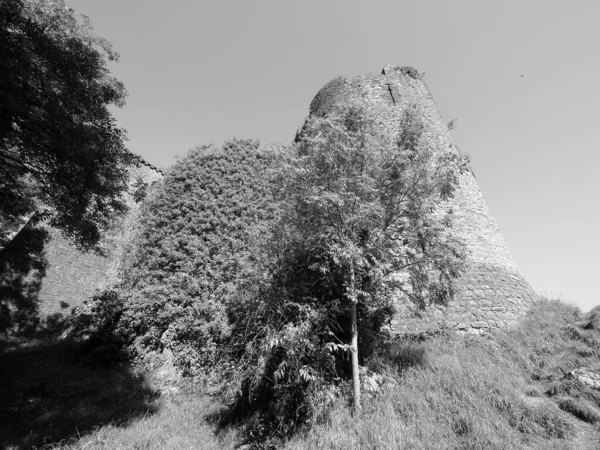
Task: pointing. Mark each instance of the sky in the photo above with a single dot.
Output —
(522, 78)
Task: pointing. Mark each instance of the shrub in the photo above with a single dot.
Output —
(96, 329)
(286, 348)
(197, 237)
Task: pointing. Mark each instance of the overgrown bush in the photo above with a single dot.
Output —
(197, 237)
(290, 337)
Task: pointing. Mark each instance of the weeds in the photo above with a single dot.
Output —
(508, 390)
(474, 392)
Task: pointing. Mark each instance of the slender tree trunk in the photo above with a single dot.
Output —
(355, 373)
(354, 341)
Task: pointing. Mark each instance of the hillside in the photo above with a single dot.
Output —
(524, 388)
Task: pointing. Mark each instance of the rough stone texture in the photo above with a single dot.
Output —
(586, 376)
(492, 293)
(73, 276)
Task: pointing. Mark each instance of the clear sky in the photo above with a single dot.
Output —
(522, 77)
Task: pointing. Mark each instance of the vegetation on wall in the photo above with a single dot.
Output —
(198, 236)
(330, 95)
(285, 264)
(411, 72)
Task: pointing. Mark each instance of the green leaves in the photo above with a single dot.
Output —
(199, 238)
(56, 130)
(362, 222)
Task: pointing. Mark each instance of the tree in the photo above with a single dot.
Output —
(362, 223)
(61, 153)
(370, 213)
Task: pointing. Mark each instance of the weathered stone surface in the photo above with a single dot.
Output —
(492, 292)
(587, 377)
(73, 276)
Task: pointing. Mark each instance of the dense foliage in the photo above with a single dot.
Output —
(61, 152)
(287, 263)
(362, 225)
(198, 237)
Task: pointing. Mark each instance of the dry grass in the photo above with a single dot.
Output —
(51, 399)
(490, 392)
(182, 422)
(47, 395)
(507, 390)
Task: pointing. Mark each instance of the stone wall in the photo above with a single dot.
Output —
(492, 292)
(73, 276)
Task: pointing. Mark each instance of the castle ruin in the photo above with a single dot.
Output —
(492, 293)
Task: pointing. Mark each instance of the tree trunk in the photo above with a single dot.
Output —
(355, 373)
(354, 341)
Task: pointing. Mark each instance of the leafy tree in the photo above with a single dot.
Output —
(61, 152)
(366, 208)
(198, 237)
(362, 223)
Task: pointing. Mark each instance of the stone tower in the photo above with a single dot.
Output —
(492, 293)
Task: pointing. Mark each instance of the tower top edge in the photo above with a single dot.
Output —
(340, 91)
(394, 69)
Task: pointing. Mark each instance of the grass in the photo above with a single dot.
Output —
(47, 396)
(493, 392)
(181, 422)
(506, 390)
(50, 398)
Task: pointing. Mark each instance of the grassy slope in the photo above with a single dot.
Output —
(47, 396)
(501, 391)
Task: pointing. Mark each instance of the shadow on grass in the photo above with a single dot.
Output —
(23, 266)
(48, 396)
